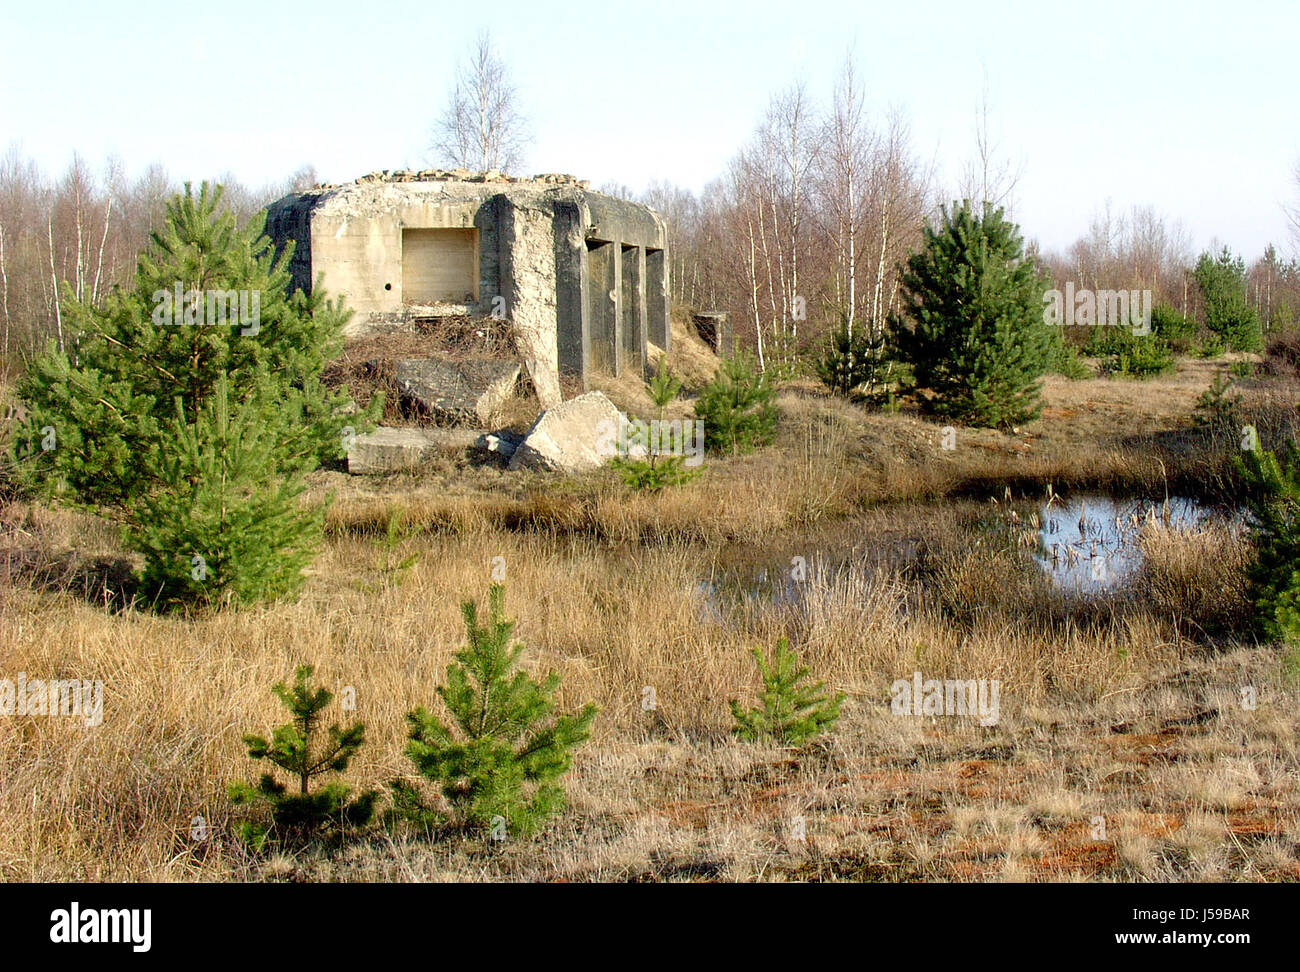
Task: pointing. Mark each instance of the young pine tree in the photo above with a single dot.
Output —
(657, 470)
(1274, 502)
(792, 711)
(508, 749)
(972, 322)
(103, 432)
(738, 407)
(853, 363)
(1228, 314)
(296, 749)
(224, 528)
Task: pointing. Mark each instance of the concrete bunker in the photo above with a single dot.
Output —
(580, 276)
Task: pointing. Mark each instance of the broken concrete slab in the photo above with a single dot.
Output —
(467, 392)
(390, 450)
(572, 437)
(497, 445)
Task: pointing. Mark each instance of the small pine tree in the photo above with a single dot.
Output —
(1216, 409)
(854, 361)
(1177, 329)
(294, 748)
(110, 400)
(396, 532)
(791, 712)
(738, 407)
(1222, 282)
(510, 749)
(1121, 352)
(1273, 498)
(972, 323)
(657, 471)
(664, 387)
(224, 528)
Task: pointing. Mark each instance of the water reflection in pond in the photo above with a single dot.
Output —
(1093, 544)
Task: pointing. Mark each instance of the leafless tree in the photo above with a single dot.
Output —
(1293, 212)
(848, 143)
(988, 177)
(482, 127)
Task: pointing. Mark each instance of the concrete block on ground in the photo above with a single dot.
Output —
(572, 437)
(390, 450)
(469, 392)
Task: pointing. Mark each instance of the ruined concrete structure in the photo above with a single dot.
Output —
(582, 277)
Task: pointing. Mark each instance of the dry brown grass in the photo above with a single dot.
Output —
(1127, 708)
(666, 794)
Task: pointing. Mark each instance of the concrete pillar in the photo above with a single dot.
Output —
(656, 293)
(633, 306)
(525, 284)
(571, 285)
(616, 292)
(601, 304)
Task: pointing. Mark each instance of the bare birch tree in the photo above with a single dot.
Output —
(482, 126)
(848, 142)
(989, 178)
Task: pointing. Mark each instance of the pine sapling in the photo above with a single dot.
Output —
(853, 363)
(500, 762)
(1273, 499)
(658, 470)
(295, 748)
(792, 711)
(396, 532)
(738, 407)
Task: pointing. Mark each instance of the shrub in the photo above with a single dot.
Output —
(1282, 357)
(1063, 360)
(854, 362)
(738, 407)
(1211, 347)
(174, 423)
(1121, 352)
(791, 712)
(972, 322)
(509, 750)
(1177, 330)
(294, 748)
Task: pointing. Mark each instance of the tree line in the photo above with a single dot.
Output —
(79, 234)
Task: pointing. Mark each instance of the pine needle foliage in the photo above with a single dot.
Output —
(793, 710)
(296, 749)
(506, 750)
(658, 470)
(1273, 499)
(854, 362)
(211, 352)
(738, 407)
(972, 322)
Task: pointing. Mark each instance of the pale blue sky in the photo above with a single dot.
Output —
(1189, 107)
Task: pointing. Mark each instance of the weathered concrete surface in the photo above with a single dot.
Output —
(467, 392)
(390, 450)
(573, 437)
(580, 276)
(715, 331)
(500, 446)
(525, 230)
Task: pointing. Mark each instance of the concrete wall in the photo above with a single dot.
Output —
(581, 276)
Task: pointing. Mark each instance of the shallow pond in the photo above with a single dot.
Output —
(1093, 544)
(1088, 545)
